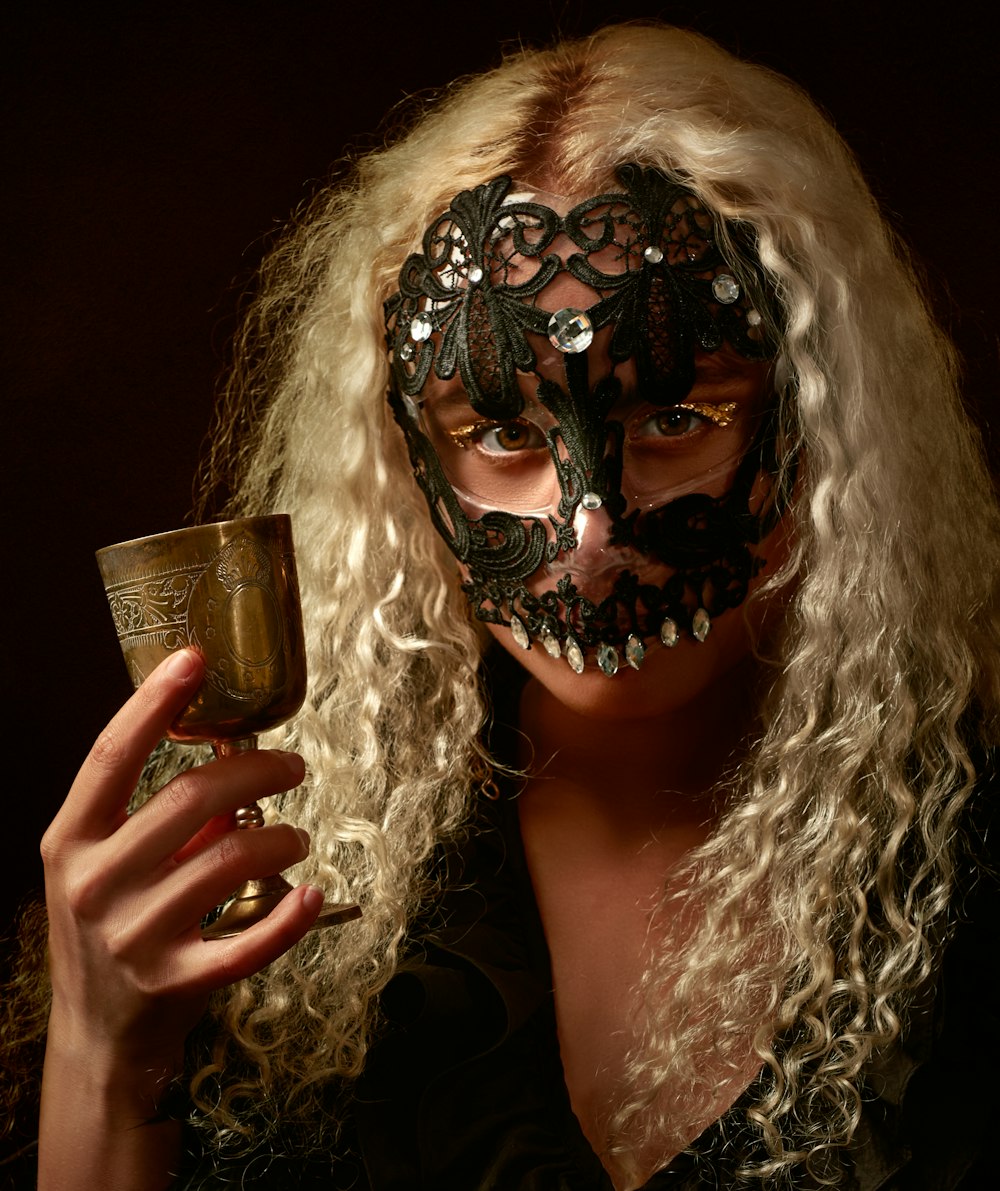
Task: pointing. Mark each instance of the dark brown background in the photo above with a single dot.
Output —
(153, 148)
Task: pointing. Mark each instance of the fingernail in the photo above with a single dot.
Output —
(181, 666)
(304, 837)
(312, 898)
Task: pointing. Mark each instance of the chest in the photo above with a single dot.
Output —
(596, 898)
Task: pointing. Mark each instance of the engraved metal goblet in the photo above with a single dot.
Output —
(230, 591)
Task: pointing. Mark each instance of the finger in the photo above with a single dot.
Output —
(98, 797)
(173, 818)
(210, 964)
(186, 895)
(216, 826)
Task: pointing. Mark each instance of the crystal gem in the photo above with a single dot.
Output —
(726, 289)
(406, 351)
(607, 659)
(570, 330)
(550, 644)
(653, 254)
(574, 655)
(668, 633)
(421, 327)
(635, 651)
(475, 275)
(701, 622)
(590, 500)
(753, 318)
(519, 632)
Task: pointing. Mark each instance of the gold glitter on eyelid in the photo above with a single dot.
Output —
(719, 413)
(461, 436)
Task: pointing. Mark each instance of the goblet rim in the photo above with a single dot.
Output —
(224, 523)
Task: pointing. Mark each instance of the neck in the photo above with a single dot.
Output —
(670, 764)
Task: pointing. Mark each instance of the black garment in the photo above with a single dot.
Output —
(465, 1090)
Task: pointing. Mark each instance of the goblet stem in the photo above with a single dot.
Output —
(255, 899)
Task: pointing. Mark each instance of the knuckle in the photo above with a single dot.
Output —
(109, 751)
(51, 847)
(83, 893)
(182, 793)
(230, 969)
(230, 849)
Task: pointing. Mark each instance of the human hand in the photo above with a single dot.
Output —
(131, 974)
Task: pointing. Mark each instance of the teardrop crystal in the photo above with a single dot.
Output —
(574, 655)
(635, 651)
(669, 633)
(701, 622)
(519, 632)
(550, 644)
(607, 659)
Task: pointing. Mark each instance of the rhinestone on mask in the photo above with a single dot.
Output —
(550, 644)
(701, 622)
(726, 289)
(591, 501)
(475, 275)
(519, 632)
(635, 651)
(407, 351)
(653, 254)
(421, 328)
(574, 655)
(607, 659)
(570, 330)
(669, 633)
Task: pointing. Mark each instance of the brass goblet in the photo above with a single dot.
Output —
(230, 591)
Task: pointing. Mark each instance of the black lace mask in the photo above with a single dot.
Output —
(568, 406)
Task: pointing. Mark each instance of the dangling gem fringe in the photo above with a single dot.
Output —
(701, 622)
(574, 655)
(635, 651)
(607, 659)
(551, 644)
(669, 633)
(519, 632)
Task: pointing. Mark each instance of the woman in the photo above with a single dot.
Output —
(694, 458)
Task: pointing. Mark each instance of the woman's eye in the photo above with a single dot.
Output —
(508, 437)
(681, 420)
(667, 423)
(672, 423)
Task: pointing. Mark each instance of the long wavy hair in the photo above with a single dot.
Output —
(844, 824)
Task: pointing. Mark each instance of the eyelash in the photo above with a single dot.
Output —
(462, 436)
(718, 413)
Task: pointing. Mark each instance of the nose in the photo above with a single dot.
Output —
(592, 555)
(593, 531)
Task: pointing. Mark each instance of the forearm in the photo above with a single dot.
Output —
(102, 1127)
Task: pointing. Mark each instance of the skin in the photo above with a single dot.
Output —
(131, 974)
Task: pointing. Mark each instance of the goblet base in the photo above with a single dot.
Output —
(254, 900)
